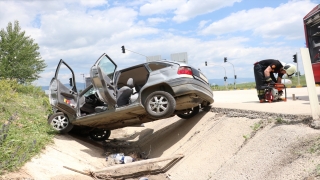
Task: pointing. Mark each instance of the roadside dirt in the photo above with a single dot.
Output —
(220, 144)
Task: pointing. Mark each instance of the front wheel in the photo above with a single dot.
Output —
(99, 134)
(189, 113)
(60, 122)
(160, 104)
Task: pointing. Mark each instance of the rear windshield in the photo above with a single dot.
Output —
(157, 65)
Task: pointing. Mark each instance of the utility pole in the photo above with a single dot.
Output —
(84, 84)
(234, 72)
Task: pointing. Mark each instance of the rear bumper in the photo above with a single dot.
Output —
(185, 86)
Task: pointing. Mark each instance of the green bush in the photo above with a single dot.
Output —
(8, 90)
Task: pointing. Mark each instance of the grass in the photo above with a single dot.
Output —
(279, 120)
(246, 137)
(315, 148)
(256, 127)
(251, 85)
(317, 170)
(24, 131)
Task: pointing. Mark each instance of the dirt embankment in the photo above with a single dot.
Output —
(220, 144)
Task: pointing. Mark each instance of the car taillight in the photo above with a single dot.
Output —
(184, 70)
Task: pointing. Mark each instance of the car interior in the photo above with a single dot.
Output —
(129, 84)
(138, 77)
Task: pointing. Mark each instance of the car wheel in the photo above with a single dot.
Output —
(190, 113)
(99, 134)
(160, 104)
(206, 108)
(60, 122)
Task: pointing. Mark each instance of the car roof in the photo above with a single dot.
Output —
(161, 61)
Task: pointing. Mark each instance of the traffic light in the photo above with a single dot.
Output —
(225, 78)
(225, 59)
(295, 58)
(123, 50)
(70, 82)
(206, 63)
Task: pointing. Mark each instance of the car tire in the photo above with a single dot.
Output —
(189, 114)
(206, 108)
(160, 104)
(99, 134)
(60, 122)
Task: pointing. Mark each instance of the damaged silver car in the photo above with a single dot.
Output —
(128, 97)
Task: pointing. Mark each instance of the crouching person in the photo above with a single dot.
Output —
(264, 74)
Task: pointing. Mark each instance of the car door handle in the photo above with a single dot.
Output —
(67, 94)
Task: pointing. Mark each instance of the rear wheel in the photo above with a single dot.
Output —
(189, 113)
(160, 104)
(60, 122)
(99, 134)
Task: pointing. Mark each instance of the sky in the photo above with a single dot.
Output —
(80, 31)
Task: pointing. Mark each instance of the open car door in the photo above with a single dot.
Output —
(102, 73)
(63, 91)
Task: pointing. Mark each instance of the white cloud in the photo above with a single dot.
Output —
(265, 22)
(79, 33)
(155, 21)
(193, 8)
(202, 24)
(93, 3)
(159, 7)
(26, 11)
(64, 28)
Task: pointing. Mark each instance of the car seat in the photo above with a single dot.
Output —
(124, 93)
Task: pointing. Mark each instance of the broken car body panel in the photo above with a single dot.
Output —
(171, 85)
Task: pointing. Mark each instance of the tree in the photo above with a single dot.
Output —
(19, 56)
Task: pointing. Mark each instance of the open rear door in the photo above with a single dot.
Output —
(312, 34)
(102, 73)
(62, 90)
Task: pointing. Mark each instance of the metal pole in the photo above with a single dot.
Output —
(84, 85)
(225, 77)
(298, 71)
(234, 75)
(313, 97)
(137, 53)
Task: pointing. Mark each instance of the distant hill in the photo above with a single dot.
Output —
(220, 82)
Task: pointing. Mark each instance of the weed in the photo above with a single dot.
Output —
(256, 126)
(246, 137)
(279, 120)
(315, 147)
(24, 131)
(318, 170)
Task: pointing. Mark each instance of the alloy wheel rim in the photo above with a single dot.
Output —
(158, 104)
(60, 122)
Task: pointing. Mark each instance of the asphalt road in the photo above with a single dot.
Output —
(248, 100)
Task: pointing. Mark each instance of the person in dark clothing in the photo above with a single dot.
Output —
(264, 74)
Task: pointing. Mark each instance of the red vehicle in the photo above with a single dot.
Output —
(312, 32)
